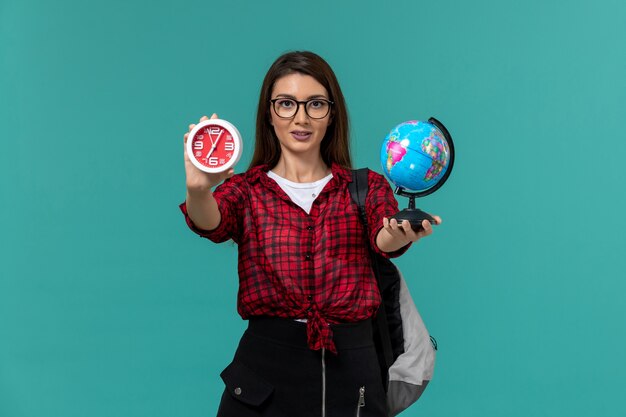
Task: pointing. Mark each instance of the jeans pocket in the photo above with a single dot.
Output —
(245, 385)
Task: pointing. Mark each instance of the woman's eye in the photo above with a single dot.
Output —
(316, 104)
(285, 103)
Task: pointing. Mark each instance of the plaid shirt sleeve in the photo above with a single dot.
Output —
(229, 196)
(380, 202)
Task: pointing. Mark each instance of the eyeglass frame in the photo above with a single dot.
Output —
(304, 103)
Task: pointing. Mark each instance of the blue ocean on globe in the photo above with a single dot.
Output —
(415, 155)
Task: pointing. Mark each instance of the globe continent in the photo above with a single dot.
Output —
(415, 155)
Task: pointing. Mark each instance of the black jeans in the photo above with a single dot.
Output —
(275, 374)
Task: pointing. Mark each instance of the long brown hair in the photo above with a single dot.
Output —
(335, 147)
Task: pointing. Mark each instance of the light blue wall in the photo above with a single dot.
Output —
(101, 312)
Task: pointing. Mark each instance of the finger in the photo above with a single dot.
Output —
(214, 116)
(191, 126)
(393, 224)
(203, 118)
(222, 176)
(387, 225)
(437, 220)
(396, 229)
(407, 228)
(427, 228)
(185, 136)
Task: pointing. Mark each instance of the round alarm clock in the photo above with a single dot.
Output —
(214, 145)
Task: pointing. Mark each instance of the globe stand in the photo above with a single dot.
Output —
(413, 215)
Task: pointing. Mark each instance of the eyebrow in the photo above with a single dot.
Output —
(308, 98)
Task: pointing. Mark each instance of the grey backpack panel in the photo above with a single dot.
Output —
(413, 369)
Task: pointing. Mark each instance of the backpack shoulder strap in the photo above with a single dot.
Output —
(382, 339)
(358, 190)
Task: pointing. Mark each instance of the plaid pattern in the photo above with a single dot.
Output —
(303, 266)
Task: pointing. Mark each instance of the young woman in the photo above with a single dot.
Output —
(305, 280)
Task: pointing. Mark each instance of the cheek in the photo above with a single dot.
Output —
(280, 127)
(277, 122)
(323, 128)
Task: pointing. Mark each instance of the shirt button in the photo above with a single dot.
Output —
(307, 257)
(237, 391)
(309, 228)
(309, 297)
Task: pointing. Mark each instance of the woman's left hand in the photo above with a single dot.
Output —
(395, 235)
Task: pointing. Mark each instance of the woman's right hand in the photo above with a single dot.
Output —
(197, 180)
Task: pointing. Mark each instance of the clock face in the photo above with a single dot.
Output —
(214, 145)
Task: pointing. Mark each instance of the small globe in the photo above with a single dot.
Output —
(416, 155)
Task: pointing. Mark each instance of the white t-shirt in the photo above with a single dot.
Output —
(301, 193)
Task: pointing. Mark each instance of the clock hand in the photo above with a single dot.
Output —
(214, 143)
(206, 129)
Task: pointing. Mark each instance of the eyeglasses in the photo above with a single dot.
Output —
(315, 108)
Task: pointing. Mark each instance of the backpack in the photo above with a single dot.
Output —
(406, 352)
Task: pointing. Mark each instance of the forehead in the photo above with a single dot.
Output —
(298, 85)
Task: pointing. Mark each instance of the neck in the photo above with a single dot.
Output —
(301, 170)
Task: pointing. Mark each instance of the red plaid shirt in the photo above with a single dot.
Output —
(303, 266)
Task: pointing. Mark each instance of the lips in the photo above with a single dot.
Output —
(301, 134)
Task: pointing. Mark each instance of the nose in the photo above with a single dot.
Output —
(301, 116)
